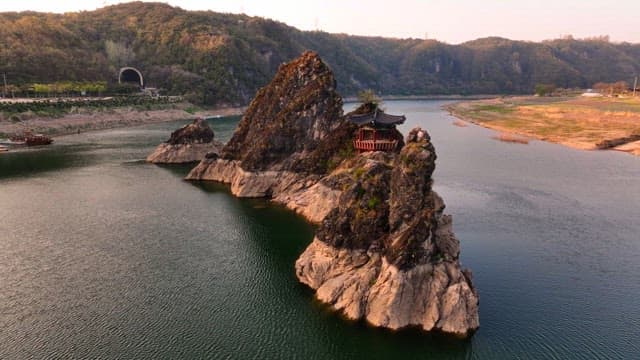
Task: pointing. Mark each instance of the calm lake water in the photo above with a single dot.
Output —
(102, 255)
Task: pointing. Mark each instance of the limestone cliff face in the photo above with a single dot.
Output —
(384, 250)
(288, 123)
(191, 143)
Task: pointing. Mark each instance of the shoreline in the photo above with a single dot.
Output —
(351, 99)
(457, 110)
(81, 122)
(504, 130)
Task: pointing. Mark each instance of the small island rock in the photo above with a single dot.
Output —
(191, 143)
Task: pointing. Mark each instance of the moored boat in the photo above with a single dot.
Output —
(30, 139)
(38, 139)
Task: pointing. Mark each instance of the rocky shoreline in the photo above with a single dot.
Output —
(103, 120)
(384, 251)
(306, 195)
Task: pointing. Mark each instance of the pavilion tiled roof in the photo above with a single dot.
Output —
(377, 118)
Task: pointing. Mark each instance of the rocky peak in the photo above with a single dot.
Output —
(198, 132)
(293, 115)
(413, 207)
(389, 206)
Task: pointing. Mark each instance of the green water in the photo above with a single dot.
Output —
(104, 256)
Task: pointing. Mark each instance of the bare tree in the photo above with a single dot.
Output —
(615, 88)
(118, 53)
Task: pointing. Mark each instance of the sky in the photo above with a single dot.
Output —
(451, 21)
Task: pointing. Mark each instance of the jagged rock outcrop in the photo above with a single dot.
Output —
(291, 122)
(384, 250)
(190, 143)
(292, 134)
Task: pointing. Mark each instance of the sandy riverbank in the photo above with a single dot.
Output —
(580, 123)
(84, 121)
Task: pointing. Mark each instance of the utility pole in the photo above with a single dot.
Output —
(4, 93)
(635, 86)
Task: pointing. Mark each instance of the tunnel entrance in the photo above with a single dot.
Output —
(129, 75)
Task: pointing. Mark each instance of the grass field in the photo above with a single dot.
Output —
(583, 123)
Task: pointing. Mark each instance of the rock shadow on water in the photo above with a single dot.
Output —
(179, 170)
(394, 342)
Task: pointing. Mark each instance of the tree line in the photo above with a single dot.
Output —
(217, 59)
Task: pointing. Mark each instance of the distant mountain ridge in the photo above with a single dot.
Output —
(215, 58)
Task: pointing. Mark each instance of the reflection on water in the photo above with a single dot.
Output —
(117, 145)
(103, 255)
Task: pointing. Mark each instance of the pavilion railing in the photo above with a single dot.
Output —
(375, 145)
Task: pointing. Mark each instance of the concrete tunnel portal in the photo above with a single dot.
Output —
(128, 75)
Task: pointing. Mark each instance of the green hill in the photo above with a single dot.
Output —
(215, 58)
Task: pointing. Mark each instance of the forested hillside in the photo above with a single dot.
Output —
(215, 58)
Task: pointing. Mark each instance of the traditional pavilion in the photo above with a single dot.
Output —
(377, 131)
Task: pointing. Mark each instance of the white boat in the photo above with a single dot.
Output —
(3, 148)
(9, 142)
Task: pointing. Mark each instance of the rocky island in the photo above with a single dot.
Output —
(191, 143)
(384, 250)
